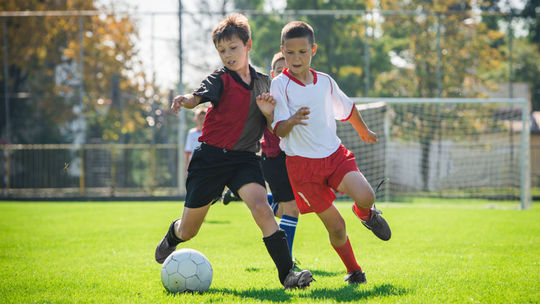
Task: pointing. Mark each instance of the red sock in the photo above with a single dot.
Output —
(363, 213)
(346, 254)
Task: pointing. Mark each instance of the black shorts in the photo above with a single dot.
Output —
(275, 173)
(212, 168)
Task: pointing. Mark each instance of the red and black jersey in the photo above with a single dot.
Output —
(234, 121)
(270, 144)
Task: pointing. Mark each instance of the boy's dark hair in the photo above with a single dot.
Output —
(277, 57)
(236, 24)
(297, 29)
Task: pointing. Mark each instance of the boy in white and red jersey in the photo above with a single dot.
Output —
(230, 138)
(307, 105)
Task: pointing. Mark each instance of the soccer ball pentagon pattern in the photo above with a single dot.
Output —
(186, 270)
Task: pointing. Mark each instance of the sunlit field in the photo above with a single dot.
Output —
(441, 251)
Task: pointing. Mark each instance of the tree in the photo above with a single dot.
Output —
(531, 11)
(44, 56)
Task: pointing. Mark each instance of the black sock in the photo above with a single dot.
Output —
(171, 236)
(277, 247)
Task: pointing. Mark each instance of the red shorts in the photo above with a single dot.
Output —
(313, 179)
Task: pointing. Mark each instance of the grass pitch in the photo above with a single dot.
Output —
(441, 251)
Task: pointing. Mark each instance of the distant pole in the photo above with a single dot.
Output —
(81, 73)
(6, 78)
(6, 107)
(181, 131)
(366, 59)
(510, 67)
(439, 57)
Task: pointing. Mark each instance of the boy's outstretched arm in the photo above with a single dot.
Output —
(284, 127)
(188, 101)
(361, 128)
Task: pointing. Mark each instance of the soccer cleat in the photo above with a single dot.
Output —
(228, 197)
(377, 224)
(298, 279)
(356, 277)
(164, 249)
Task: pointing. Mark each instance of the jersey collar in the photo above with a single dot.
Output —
(237, 78)
(286, 72)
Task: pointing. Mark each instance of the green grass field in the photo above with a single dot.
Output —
(441, 251)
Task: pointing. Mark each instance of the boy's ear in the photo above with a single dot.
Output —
(314, 50)
(249, 43)
(272, 73)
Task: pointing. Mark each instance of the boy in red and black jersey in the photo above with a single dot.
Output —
(231, 131)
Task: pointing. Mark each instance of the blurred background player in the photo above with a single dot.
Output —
(192, 137)
(232, 129)
(308, 103)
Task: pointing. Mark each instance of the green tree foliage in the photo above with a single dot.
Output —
(43, 60)
(532, 12)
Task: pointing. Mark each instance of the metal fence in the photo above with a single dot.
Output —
(91, 170)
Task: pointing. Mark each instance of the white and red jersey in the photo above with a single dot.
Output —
(327, 103)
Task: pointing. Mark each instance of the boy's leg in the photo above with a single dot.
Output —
(357, 187)
(289, 221)
(335, 225)
(229, 196)
(181, 230)
(254, 195)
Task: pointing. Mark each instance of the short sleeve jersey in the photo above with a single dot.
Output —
(192, 140)
(270, 144)
(234, 121)
(327, 103)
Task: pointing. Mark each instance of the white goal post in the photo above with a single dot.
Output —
(445, 147)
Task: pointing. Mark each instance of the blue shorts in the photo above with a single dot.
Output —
(212, 168)
(275, 173)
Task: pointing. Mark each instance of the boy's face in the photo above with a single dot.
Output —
(279, 66)
(234, 53)
(298, 53)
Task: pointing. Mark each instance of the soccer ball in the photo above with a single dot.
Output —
(186, 270)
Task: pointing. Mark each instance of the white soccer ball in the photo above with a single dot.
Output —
(186, 270)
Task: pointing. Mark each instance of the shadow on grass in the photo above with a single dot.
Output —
(346, 293)
(352, 293)
(315, 273)
(216, 222)
(323, 273)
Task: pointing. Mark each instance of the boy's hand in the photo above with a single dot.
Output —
(178, 103)
(299, 117)
(368, 136)
(266, 104)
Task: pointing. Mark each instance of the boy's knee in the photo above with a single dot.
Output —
(290, 209)
(367, 199)
(262, 209)
(337, 228)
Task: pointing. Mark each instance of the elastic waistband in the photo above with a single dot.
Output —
(206, 146)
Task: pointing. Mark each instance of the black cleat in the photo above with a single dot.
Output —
(356, 277)
(298, 279)
(377, 224)
(228, 197)
(164, 249)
